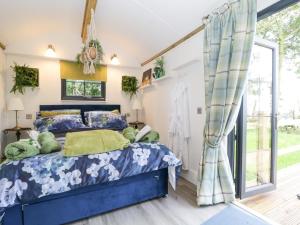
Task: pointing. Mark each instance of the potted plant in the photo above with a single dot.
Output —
(93, 52)
(159, 70)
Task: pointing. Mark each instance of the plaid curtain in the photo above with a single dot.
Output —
(228, 41)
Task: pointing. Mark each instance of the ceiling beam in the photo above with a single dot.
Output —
(174, 45)
(2, 46)
(89, 4)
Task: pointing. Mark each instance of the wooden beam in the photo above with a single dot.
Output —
(89, 4)
(2, 46)
(181, 40)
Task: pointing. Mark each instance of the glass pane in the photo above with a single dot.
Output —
(259, 111)
(93, 89)
(75, 88)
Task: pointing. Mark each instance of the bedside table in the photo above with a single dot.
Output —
(18, 131)
(137, 125)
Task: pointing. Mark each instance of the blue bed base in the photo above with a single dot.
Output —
(89, 201)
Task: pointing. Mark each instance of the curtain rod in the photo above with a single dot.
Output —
(2, 46)
(219, 10)
(181, 40)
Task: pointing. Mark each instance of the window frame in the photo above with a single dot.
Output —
(234, 143)
(82, 98)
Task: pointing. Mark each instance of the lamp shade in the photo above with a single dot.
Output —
(15, 104)
(137, 105)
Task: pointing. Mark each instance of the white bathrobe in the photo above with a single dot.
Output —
(179, 129)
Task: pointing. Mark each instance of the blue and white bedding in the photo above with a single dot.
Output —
(43, 175)
(105, 120)
(59, 123)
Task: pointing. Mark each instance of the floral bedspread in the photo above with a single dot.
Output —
(42, 175)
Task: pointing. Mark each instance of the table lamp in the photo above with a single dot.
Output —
(15, 104)
(137, 105)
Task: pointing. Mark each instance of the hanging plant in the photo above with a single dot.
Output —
(25, 77)
(130, 85)
(93, 53)
(159, 70)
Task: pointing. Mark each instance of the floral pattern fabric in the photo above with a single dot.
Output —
(59, 123)
(43, 175)
(105, 120)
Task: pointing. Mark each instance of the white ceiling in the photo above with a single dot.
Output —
(134, 29)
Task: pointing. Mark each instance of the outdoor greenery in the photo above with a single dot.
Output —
(285, 139)
(130, 85)
(25, 77)
(83, 88)
(287, 160)
(284, 29)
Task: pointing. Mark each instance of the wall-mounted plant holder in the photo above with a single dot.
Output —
(25, 77)
(130, 85)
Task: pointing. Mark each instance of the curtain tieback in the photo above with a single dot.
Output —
(216, 145)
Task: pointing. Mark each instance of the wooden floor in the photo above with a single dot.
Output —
(179, 208)
(282, 205)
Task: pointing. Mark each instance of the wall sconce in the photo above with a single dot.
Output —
(50, 51)
(114, 60)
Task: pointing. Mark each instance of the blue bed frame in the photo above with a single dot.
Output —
(91, 200)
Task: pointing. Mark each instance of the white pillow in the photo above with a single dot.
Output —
(142, 133)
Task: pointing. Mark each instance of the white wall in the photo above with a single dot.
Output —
(49, 91)
(184, 63)
(2, 94)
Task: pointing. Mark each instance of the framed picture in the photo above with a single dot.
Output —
(147, 77)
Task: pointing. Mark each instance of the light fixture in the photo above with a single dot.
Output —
(50, 51)
(15, 104)
(114, 60)
(137, 105)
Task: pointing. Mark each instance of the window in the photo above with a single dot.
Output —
(83, 90)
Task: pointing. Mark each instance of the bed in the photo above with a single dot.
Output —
(103, 194)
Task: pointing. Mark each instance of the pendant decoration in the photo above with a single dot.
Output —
(92, 52)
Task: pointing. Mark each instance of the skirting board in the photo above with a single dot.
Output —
(190, 175)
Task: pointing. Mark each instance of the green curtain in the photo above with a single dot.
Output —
(70, 70)
(228, 42)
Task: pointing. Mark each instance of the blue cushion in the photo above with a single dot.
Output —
(105, 120)
(59, 123)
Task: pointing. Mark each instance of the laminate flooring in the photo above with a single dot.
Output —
(178, 208)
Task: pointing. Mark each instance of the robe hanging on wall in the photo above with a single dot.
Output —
(179, 129)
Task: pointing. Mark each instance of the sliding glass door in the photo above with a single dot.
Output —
(257, 125)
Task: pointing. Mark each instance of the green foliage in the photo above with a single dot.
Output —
(287, 160)
(25, 77)
(83, 88)
(159, 70)
(284, 28)
(286, 139)
(130, 85)
(93, 43)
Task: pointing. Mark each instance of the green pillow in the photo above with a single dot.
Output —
(48, 143)
(130, 133)
(151, 137)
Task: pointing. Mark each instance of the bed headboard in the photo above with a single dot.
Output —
(83, 108)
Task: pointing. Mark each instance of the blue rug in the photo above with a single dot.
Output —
(235, 215)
